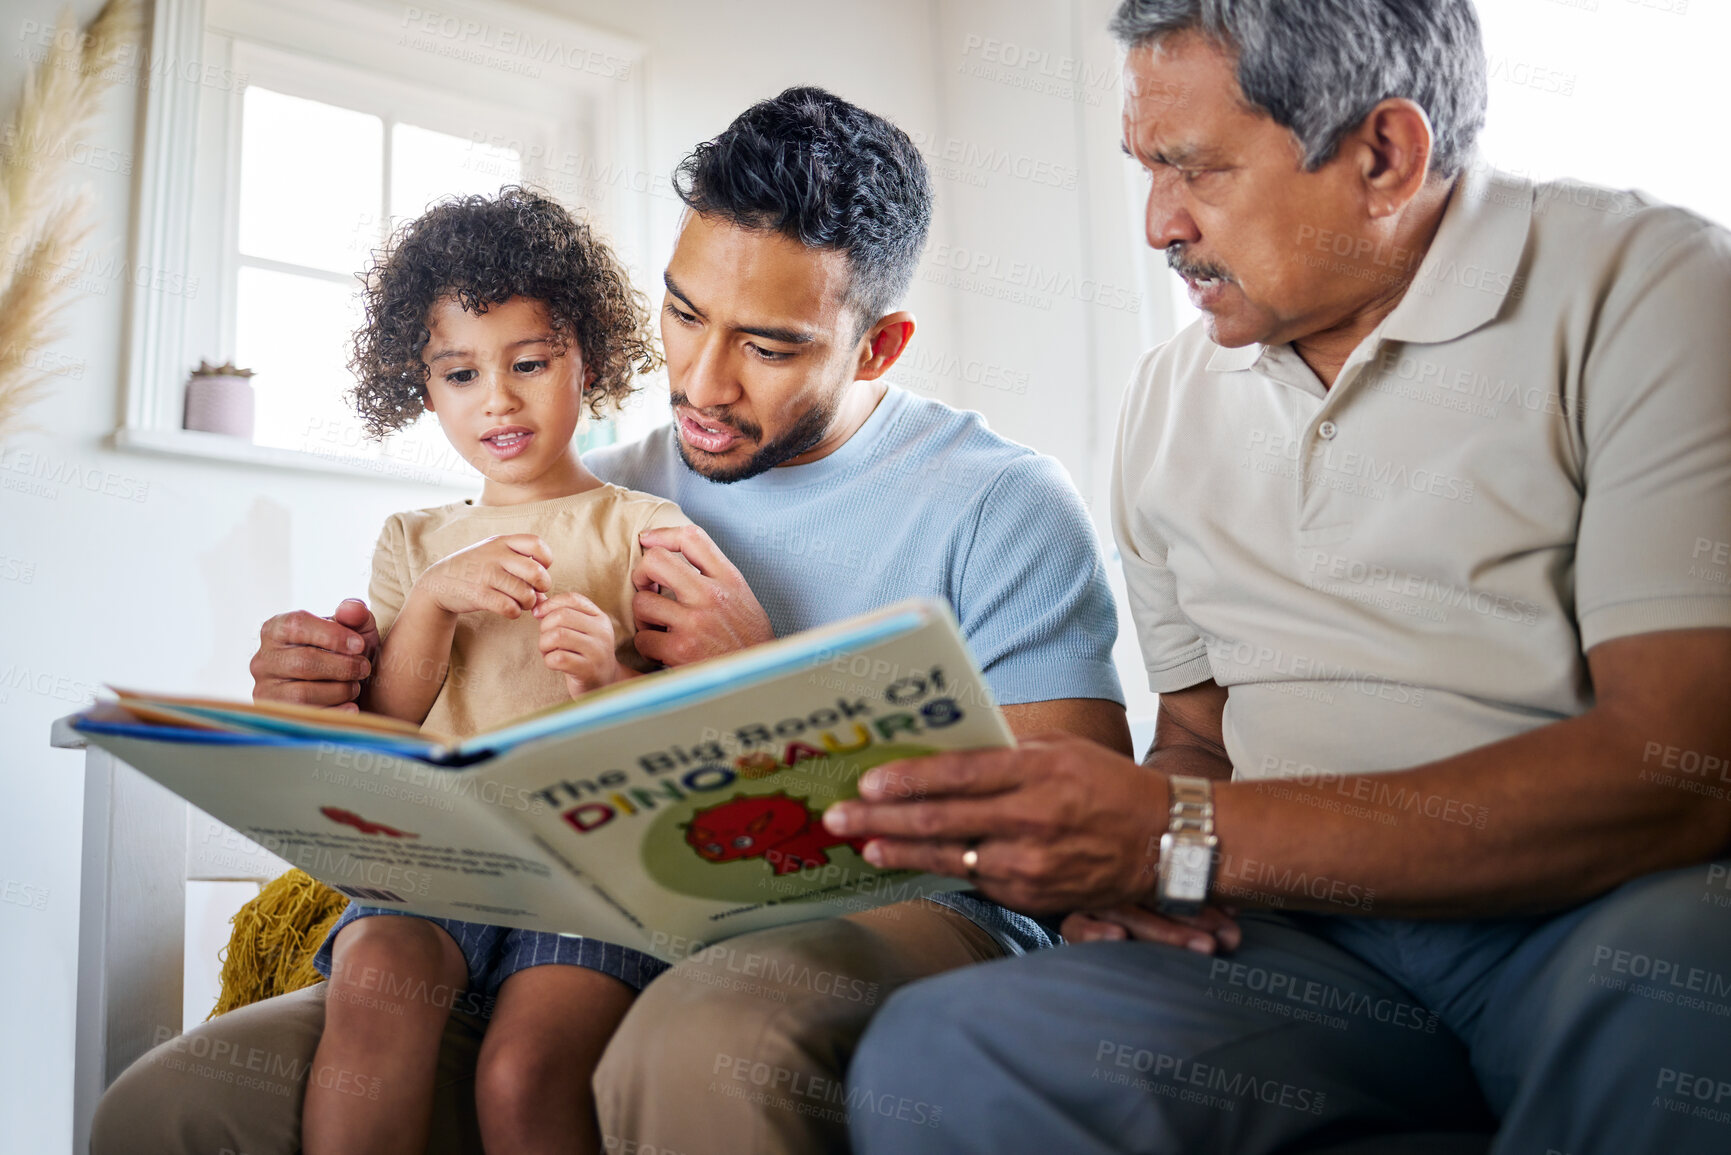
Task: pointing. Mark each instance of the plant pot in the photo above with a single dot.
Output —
(220, 404)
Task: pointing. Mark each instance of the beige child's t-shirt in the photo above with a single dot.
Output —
(497, 671)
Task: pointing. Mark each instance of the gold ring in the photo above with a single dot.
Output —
(971, 861)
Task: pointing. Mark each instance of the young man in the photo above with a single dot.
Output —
(825, 492)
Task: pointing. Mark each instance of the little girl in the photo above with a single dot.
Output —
(498, 316)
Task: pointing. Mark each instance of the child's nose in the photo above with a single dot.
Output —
(501, 398)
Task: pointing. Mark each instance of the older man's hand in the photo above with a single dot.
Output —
(1210, 930)
(1057, 823)
(316, 661)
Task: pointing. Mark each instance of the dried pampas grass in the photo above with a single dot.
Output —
(40, 224)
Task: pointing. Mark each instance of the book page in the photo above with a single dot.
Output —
(382, 829)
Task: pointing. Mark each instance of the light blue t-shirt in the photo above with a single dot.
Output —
(921, 500)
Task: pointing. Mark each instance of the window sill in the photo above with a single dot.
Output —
(192, 443)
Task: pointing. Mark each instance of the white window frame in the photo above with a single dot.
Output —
(556, 89)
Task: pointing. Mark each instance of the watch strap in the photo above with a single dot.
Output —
(1192, 806)
(1183, 885)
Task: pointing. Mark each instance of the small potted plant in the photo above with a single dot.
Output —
(219, 400)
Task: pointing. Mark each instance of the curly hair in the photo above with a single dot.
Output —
(483, 251)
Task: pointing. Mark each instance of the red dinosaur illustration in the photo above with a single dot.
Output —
(350, 818)
(779, 829)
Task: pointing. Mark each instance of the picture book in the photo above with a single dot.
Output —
(665, 813)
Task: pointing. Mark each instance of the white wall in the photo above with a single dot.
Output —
(167, 591)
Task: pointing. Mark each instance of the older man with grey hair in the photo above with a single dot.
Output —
(1425, 529)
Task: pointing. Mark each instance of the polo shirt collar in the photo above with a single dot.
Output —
(1227, 360)
(1466, 275)
(1471, 266)
(1278, 363)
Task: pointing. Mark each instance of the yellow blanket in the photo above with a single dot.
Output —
(275, 938)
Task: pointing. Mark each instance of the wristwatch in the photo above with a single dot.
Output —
(1187, 848)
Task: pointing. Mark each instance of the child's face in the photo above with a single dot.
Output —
(508, 400)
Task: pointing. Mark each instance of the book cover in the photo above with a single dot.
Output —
(667, 813)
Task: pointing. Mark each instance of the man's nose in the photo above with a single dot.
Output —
(1168, 221)
(710, 379)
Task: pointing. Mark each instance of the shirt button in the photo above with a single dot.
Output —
(1327, 430)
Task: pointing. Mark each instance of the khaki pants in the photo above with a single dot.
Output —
(741, 1050)
(233, 1086)
(738, 1051)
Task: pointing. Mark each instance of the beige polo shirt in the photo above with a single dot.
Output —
(1530, 456)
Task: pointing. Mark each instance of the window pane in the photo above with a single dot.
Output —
(310, 181)
(427, 166)
(295, 332)
(1578, 90)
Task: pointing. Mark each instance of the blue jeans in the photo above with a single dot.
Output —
(1605, 1030)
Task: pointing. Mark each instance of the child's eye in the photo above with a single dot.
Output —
(530, 366)
(459, 376)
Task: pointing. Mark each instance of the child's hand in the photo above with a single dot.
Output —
(501, 575)
(577, 641)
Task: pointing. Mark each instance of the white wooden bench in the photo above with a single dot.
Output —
(142, 845)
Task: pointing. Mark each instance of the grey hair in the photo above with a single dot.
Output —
(1318, 67)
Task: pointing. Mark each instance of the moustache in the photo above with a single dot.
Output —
(1176, 260)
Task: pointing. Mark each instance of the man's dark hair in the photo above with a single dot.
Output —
(1318, 67)
(483, 251)
(828, 174)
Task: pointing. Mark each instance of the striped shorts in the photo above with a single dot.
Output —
(495, 953)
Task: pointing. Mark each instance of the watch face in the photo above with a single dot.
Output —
(1187, 865)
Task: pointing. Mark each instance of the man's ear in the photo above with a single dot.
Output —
(883, 344)
(1392, 151)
